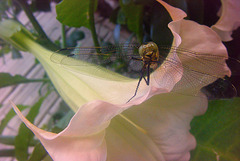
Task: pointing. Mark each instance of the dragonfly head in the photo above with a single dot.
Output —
(149, 51)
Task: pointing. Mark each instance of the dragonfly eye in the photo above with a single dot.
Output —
(153, 46)
(149, 47)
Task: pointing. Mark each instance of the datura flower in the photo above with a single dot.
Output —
(229, 19)
(152, 126)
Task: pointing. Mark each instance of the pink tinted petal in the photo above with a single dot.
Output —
(83, 139)
(202, 51)
(167, 124)
(199, 38)
(229, 19)
(201, 66)
(176, 13)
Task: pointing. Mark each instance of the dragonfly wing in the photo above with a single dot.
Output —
(79, 56)
(205, 63)
(199, 69)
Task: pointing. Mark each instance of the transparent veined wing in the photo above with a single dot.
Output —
(94, 55)
(200, 69)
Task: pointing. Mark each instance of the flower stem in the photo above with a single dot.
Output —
(92, 23)
(35, 23)
(63, 36)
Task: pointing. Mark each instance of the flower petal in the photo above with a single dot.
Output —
(200, 51)
(175, 13)
(166, 123)
(83, 139)
(229, 19)
(202, 54)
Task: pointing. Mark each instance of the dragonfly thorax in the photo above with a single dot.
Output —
(149, 53)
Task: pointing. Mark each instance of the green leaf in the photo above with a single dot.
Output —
(9, 116)
(217, 132)
(38, 154)
(74, 13)
(7, 140)
(25, 135)
(7, 80)
(134, 15)
(10, 140)
(47, 158)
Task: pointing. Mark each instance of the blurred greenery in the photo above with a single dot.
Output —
(9, 116)
(38, 154)
(25, 135)
(8, 80)
(74, 37)
(133, 14)
(217, 132)
(74, 13)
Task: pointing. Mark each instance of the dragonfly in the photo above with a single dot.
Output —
(199, 68)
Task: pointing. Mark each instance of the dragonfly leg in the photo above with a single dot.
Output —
(140, 79)
(147, 75)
